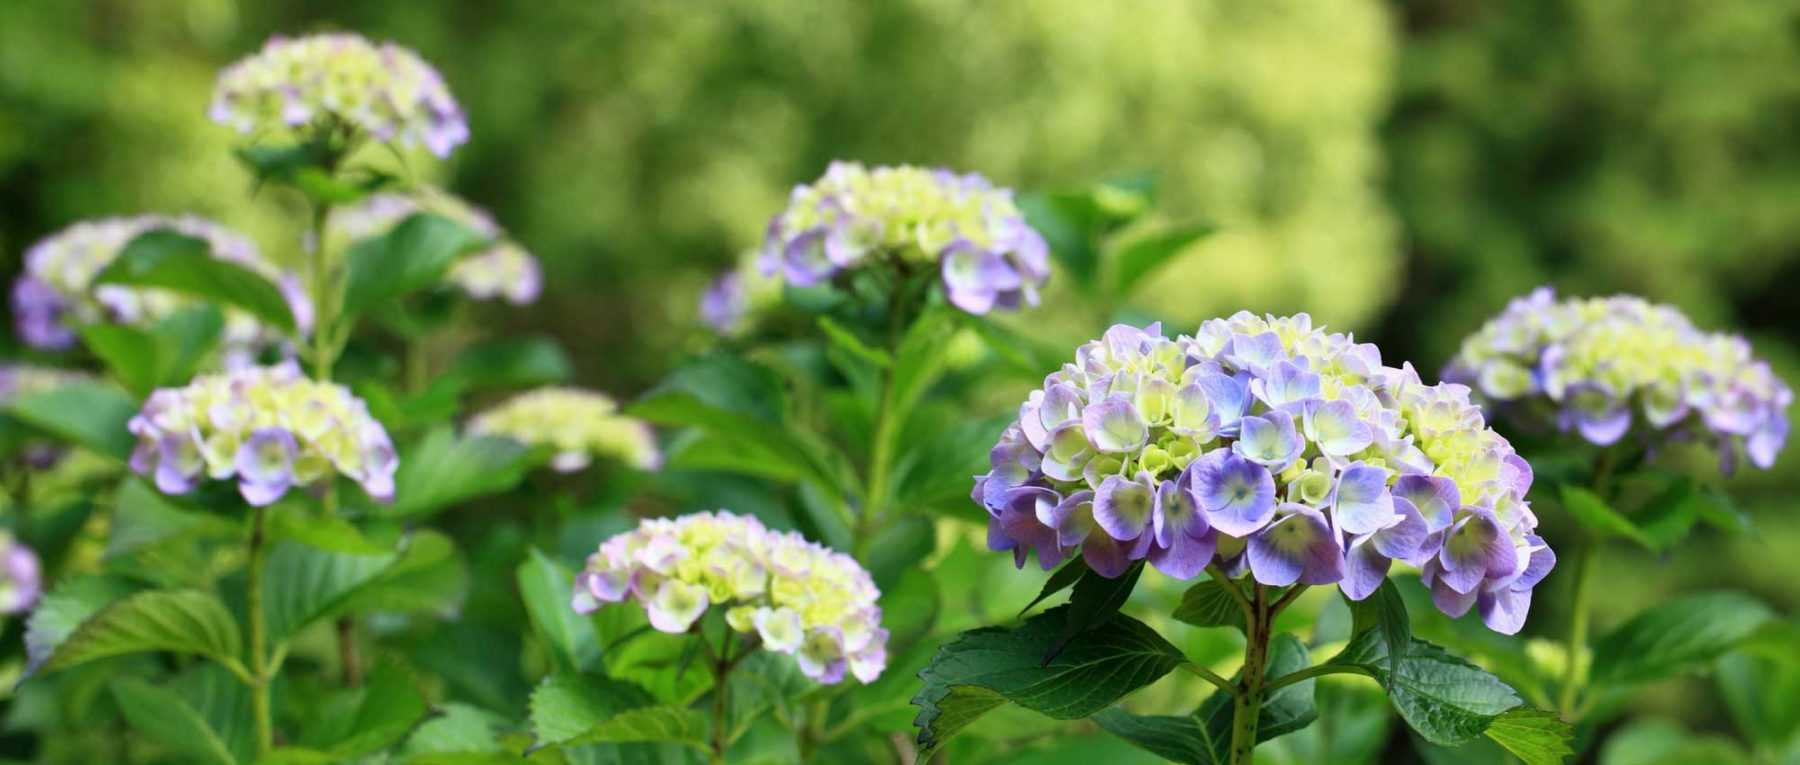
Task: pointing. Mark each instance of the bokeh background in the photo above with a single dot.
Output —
(1399, 169)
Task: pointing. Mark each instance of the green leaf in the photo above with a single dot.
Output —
(87, 414)
(303, 584)
(545, 586)
(1444, 699)
(1677, 636)
(142, 517)
(519, 362)
(164, 717)
(898, 548)
(1384, 610)
(1063, 579)
(567, 705)
(1596, 516)
(1094, 600)
(70, 603)
(1670, 515)
(1204, 737)
(428, 576)
(370, 718)
(1071, 222)
(184, 621)
(847, 341)
(986, 668)
(1210, 604)
(128, 353)
(920, 359)
(185, 264)
(1761, 688)
(443, 469)
(1143, 255)
(1534, 736)
(458, 728)
(671, 724)
(412, 255)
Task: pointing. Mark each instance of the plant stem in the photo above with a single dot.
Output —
(1578, 615)
(1317, 670)
(259, 668)
(320, 272)
(721, 665)
(1211, 677)
(1247, 709)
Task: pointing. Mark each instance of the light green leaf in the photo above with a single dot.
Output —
(567, 705)
(1761, 686)
(383, 711)
(303, 584)
(1677, 636)
(185, 264)
(1596, 516)
(183, 621)
(546, 586)
(457, 728)
(1534, 736)
(128, 353)
(142, 516)
(164, 717)
(412, 255)
(91, 415)
(846, 340)
(1209, 604)
(443, 469)
(986, 668)
(70, 603)
(670, 724)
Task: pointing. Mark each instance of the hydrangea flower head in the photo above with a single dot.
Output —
(578, 424)
(56, 294)
(1268, 445)
(270, 428)
(909, 217)
(384, 91)
(502, 269)
(723, 304)
(1598, 366)
(794, 596)
(20, 579)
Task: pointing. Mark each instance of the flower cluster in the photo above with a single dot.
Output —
(1587, 364)
(796, 597)
(1264, 444)
(723, 304)
(271, 428)
(20, 580)
(56, 293)
(578, 424)
(903, 216)
(501, 269)
(330, 80)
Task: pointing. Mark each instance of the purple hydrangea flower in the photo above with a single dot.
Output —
(723, 304)
(1265, 446)
(21, 582)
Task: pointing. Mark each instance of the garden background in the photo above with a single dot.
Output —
(1396, 169)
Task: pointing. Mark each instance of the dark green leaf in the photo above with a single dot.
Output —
(1142, 256)
(545, 586)
(370, 718)
(186, 264)
(1761, 687)
(128, 353)
(899, 548)
(1063, 579)
(986, 668)
(164, 717)
(1534, 736)
(443, 469)
(412, 255)
(1596, 516)
(1204, 737)
(847, 341)
(88, 414)
(520, 362)
(187, 621)
(1384, 610)
(1444, 699)
(1210, 604)
(184, 340)
(1094, 601)
(1668, 517)
(1677, 636)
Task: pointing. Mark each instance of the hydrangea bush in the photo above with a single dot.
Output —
(502, 269)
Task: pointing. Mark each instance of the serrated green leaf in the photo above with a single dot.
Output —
(183, 621)
(1063, 579)
(455, 729)
(377, 715)
(1385, 611)
(1094, 600)
(546, 586)
(185, 264)
(1534, 736)
(1446, 700)
(443, 469)
(567, 705)
(412, 255)
(1677, 636)
(1209, 604)
(1592, 512)
(164, 717)
(70, 603)
(657, 724)
(303, 584)
(91, 415)
(1141, 256)
(1204, 737)
(986, 668)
